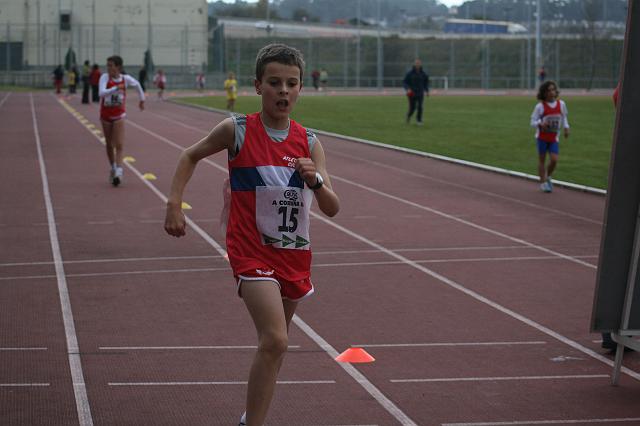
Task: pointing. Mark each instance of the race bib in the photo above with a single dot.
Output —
(553, 121)
(282, 216)
(114, 99)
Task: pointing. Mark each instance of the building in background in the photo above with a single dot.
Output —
(44, 33)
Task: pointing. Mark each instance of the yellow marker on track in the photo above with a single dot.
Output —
(185, 206)
(149, 176)
(129, 159)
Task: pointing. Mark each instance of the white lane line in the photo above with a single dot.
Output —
(22, 385)
(466, 222)
(469, 188)
(480, 298)
(360, 378)
(279, 382)
(5, 98)
(23, 349)
(127, 259)
(498, 379)
(101, 222)
(115, 274)
(444, 344)
(385, 402)
(178, 348)
(548, 422)
(327, 253)
(73, 351)
(315, 265)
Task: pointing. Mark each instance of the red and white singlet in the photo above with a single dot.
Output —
(553, 117)
(269, 215)
(112, 106)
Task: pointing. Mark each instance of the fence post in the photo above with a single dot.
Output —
(8, 47)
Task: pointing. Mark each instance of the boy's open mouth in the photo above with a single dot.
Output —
(282, 103)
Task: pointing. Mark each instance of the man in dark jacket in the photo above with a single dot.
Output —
(416, 84)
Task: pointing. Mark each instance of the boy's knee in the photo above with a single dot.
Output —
(274, 344)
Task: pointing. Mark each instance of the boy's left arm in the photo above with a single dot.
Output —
(565, 120)
(308, 167)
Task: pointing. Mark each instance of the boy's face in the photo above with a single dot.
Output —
(112, 69)
(279, 88)
(552, 92)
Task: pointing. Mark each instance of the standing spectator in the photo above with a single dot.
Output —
(142, 78)
(416, 84)
(549, 118)
(315, 78)
(160, 80)
(200, 81)
(542, 75)
(86, 72)
(324, 78)
(231, 86)
(72, 79)
(94, 80)
(58, 77)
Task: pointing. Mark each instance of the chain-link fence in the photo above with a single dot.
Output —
(28, 54)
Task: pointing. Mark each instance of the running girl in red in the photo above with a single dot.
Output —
(276, 169)
(549, 118)
(113, 93)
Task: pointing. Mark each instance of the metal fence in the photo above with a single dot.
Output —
(28, 54)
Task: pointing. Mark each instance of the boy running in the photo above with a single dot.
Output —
(549, 117)
(113, 93)
(271, 159)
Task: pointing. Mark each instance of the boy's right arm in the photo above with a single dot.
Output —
(221, 137)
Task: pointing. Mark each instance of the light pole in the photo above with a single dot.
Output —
(379, 51)
(539, 62)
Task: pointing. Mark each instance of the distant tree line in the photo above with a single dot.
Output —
(424, 13)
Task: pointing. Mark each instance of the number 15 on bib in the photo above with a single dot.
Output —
(282, 216)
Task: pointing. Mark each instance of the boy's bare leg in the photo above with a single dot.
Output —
(541, 168)
(107, 130)
(553, 160)
(117, 137)
(266, 307)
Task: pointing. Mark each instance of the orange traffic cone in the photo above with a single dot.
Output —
(355, 355)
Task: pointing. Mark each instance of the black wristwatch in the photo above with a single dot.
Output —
(319, 182)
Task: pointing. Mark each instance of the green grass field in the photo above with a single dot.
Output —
(491, 130)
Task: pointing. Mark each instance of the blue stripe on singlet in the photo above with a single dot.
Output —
(245, 179)
(248, 178)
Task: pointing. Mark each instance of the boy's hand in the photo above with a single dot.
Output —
(566, 132)
(141, 105)
(307, 169)
(174, 222)
(121, 86)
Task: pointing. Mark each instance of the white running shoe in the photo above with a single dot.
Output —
(544, 187)
(112, 174)
(243, 419)
(549, 184)
(117, 176)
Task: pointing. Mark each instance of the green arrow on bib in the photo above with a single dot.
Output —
(301, 242)
(286, 241)
(269, 240)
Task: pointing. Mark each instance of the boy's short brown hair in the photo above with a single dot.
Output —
(117, 60)
(280, 53)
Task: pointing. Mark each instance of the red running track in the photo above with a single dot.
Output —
(472, 290)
